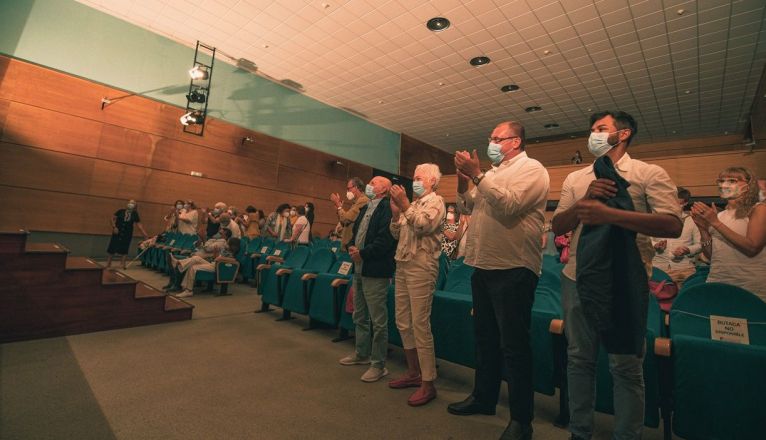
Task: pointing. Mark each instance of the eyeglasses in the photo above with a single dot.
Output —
(498, 140)
(729, 181)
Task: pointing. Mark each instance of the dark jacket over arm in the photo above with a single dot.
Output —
(379, 244)
(611, 278)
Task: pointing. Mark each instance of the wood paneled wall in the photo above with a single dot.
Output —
(414, 152)
(67, 165)
(696, 172)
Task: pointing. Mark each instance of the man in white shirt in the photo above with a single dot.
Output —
(503, 244)
(656, 214)
(232, 226)
(674, 255)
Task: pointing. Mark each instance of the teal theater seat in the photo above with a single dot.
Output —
(328, 297)
(717, 386)
(271, 284)
(300, 281)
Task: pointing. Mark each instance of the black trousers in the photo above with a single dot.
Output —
(502, 303)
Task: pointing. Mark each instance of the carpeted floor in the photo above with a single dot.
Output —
(228, 374)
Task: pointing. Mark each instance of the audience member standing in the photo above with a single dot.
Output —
(636, 198)
(417, 226)
(188, 219)
(171, 219)
(310, 216)
(301, 228)
(252, 228)
(450, 232)
(122, 232)
(213, 222)
(733, 239)
(372, 249)
(278, 224)
(503, 244)
(355, 194)
(674, 255)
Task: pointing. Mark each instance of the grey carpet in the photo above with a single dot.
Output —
(228, 374)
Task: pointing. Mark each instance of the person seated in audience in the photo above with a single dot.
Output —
(250, 221)
(213, 222)
(734, 238)
(762, 189)
(122, 232)
(301, 228)
(228, 223)
(674, 255)
(577, 158)
(418, 227)
(227, 254)
(449, 232)
(204, 252)
(188, 218)
(171, 218)
(278, 224)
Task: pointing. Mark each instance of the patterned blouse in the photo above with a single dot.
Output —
(419, 227)
(448, 246)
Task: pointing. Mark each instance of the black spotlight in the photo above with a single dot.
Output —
(479, 61)
(193, 118)
(199, 73)
(196, 96)
(438, 24)
(533, 109)
(509, 88)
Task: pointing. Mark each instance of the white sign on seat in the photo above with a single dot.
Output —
(723, 328)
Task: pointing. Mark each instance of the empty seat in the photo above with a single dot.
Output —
(297, 289)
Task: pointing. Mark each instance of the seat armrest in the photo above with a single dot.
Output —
(556, 327)
(308, 276)
(274, 258)
(337, 282)
(255, 255)
(662, 347)
(281, 272)
(263, 266)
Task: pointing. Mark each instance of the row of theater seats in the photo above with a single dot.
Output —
(699, 388)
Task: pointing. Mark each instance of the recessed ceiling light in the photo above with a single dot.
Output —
(687, 91)
(533, 109)
(437, 24)
(380, 101)
(509, 88)
(479, 61)
(552, 125)
(681, 11)
(325, 5)
(590, 110)
(441, 83)
(547, 52)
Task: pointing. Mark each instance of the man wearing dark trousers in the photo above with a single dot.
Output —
(503, 244)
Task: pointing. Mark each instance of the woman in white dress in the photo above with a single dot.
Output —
(733, 239)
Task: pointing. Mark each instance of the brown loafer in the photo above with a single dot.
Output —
(420, 397)
(405, 382)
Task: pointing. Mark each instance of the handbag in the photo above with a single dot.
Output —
(665, 291)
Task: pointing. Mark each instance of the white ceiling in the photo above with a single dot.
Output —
(680, 73)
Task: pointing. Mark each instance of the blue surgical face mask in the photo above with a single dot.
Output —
(417, 188)
(598, 143)
(494, 153)
(131, 206)
(369, 191)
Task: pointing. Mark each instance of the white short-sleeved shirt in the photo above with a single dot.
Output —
(189, 226)
(651, 190)
(303, 238)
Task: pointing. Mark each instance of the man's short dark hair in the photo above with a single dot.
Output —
(358, 183)
(684, 194)
(301, 210)
(622, 121)
(250, 208)
(281, 208)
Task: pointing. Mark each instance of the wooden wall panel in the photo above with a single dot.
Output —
(414, 152)
(63, 153)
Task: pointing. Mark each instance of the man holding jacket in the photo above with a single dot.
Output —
(372, 248)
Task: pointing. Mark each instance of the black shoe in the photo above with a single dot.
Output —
(469, 407)
(517, 431)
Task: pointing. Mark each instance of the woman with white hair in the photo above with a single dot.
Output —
(417, 226)
(734, 238)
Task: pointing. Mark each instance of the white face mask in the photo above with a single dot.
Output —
(729, 190)
(761, 195)
(598, 143)
(349, 195)
(131, 206)
(179, 206)
(450, 216)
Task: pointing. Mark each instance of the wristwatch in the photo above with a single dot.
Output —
(477, 179)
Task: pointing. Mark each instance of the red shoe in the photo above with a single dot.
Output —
(420, 397)
(405, 382)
